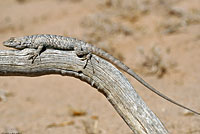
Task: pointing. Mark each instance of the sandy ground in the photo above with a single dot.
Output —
(160, 40)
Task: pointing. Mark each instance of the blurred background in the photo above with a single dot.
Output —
(158, 39)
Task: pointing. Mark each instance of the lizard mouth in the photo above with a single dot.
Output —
(6, 43)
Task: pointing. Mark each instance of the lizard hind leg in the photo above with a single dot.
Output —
(84, 55)
(88, 58)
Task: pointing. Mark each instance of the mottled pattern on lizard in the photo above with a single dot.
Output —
(82, 49)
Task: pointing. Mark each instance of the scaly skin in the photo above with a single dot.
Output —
(81, 48)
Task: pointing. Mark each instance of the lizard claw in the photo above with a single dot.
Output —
(33, 56)
(96, 59)
(87, 58)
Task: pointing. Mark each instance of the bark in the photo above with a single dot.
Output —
(99, 73)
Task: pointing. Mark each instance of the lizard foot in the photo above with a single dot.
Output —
(88, 58)
(33, 56)
(36, 53)
(84, 55)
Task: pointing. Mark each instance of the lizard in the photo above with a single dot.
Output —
(40, 42)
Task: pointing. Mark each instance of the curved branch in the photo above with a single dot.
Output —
(98, 73)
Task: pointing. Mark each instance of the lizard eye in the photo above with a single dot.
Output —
(12, 39)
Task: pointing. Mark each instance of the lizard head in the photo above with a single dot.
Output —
(14, 42)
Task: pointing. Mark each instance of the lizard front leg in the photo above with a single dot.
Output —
(36, 53)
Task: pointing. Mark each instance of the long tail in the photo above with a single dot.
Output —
(125, 68)
(156, 91)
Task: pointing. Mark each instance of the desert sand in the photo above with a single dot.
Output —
(158, 39)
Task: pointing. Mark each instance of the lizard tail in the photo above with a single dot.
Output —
(125, 68)
(139, 79)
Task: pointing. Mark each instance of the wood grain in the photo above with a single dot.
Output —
(98, 73)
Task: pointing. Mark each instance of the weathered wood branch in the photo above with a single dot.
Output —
(98, 73)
